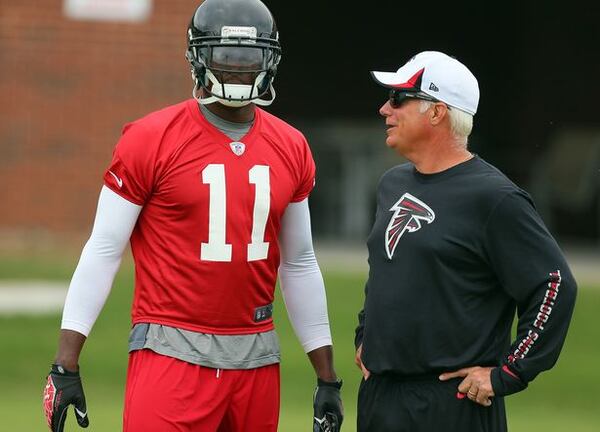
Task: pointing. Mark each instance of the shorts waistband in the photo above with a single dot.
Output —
(426, 377)
(429, 377)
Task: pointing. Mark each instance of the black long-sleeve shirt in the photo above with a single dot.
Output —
(452, 256)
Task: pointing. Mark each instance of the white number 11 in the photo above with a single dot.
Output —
(216, 249)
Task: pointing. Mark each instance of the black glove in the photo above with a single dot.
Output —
(328, 409)
(64, 388)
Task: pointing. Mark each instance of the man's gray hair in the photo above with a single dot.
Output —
(461, 122)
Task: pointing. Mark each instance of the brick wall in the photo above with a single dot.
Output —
(66, 89)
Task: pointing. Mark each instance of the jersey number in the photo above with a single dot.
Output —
(216, 249)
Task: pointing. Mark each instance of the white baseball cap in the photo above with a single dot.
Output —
(439, 76)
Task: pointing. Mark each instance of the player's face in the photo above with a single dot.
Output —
(407, 126)
(227, 74)
(234, 65)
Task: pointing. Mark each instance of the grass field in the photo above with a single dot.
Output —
(563, 399)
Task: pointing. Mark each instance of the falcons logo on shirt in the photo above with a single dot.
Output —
(407, 217)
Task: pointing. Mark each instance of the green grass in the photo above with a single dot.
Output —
(565, 398)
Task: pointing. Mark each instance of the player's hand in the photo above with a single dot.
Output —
(328, 408)
(63, 388)
(359, 363)
(476, 385)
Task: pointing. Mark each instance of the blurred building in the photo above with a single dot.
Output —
(68, 86)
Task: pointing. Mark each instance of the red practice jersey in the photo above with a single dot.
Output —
(205, 244)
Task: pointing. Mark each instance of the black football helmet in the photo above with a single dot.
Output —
(233, 49)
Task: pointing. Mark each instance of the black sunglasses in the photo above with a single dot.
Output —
(398, 97)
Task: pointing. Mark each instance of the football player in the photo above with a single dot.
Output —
(212, 194)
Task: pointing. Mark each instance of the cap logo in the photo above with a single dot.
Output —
(433, 87)
(414, 82)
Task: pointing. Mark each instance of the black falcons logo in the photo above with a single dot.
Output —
(408, 214)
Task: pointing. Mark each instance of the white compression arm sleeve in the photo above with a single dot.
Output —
(99, 261)
(301, 280)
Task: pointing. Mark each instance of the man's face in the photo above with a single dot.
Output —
(247, 78)
(407, 126)
(233, 65)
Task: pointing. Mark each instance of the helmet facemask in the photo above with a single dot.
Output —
(235, 68)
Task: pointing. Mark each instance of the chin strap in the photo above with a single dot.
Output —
(206, 100)
(266, 102)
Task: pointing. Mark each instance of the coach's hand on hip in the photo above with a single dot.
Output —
(359, 363)
(476, 385)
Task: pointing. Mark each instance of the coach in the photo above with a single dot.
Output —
(455, 250)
